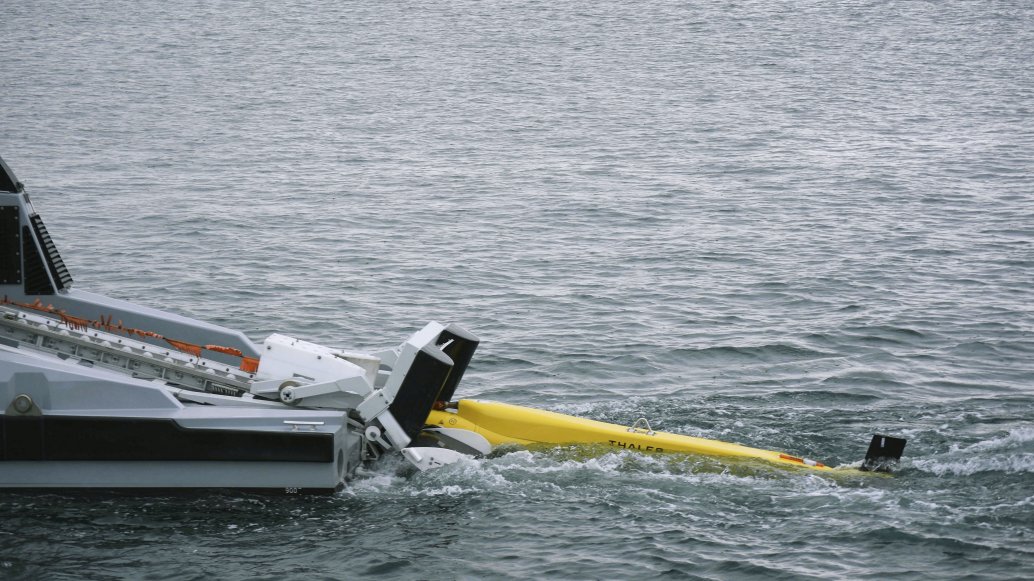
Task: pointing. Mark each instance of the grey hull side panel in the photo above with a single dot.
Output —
(62, 389)
(189, 474)
(57, 385)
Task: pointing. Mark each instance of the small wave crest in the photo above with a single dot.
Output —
(729, 354)
(1012, 453)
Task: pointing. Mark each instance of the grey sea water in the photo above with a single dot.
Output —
(787, 224)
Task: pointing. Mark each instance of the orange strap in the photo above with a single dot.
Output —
(249, 364)
(191, 348)
(74, 322)
(226, 350)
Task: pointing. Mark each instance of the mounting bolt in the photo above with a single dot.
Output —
(23, 405)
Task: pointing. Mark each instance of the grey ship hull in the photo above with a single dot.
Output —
(161, 401)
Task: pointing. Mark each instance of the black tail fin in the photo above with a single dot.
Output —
(884, 453)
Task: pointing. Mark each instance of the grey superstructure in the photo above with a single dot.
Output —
(101, 393)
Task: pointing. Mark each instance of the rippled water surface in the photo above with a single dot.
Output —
(787, 224)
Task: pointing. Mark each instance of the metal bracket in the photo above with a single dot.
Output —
(635, 427)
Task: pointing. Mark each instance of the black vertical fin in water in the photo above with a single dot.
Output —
(883, 454)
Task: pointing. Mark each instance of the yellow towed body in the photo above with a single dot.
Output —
(501, 423)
